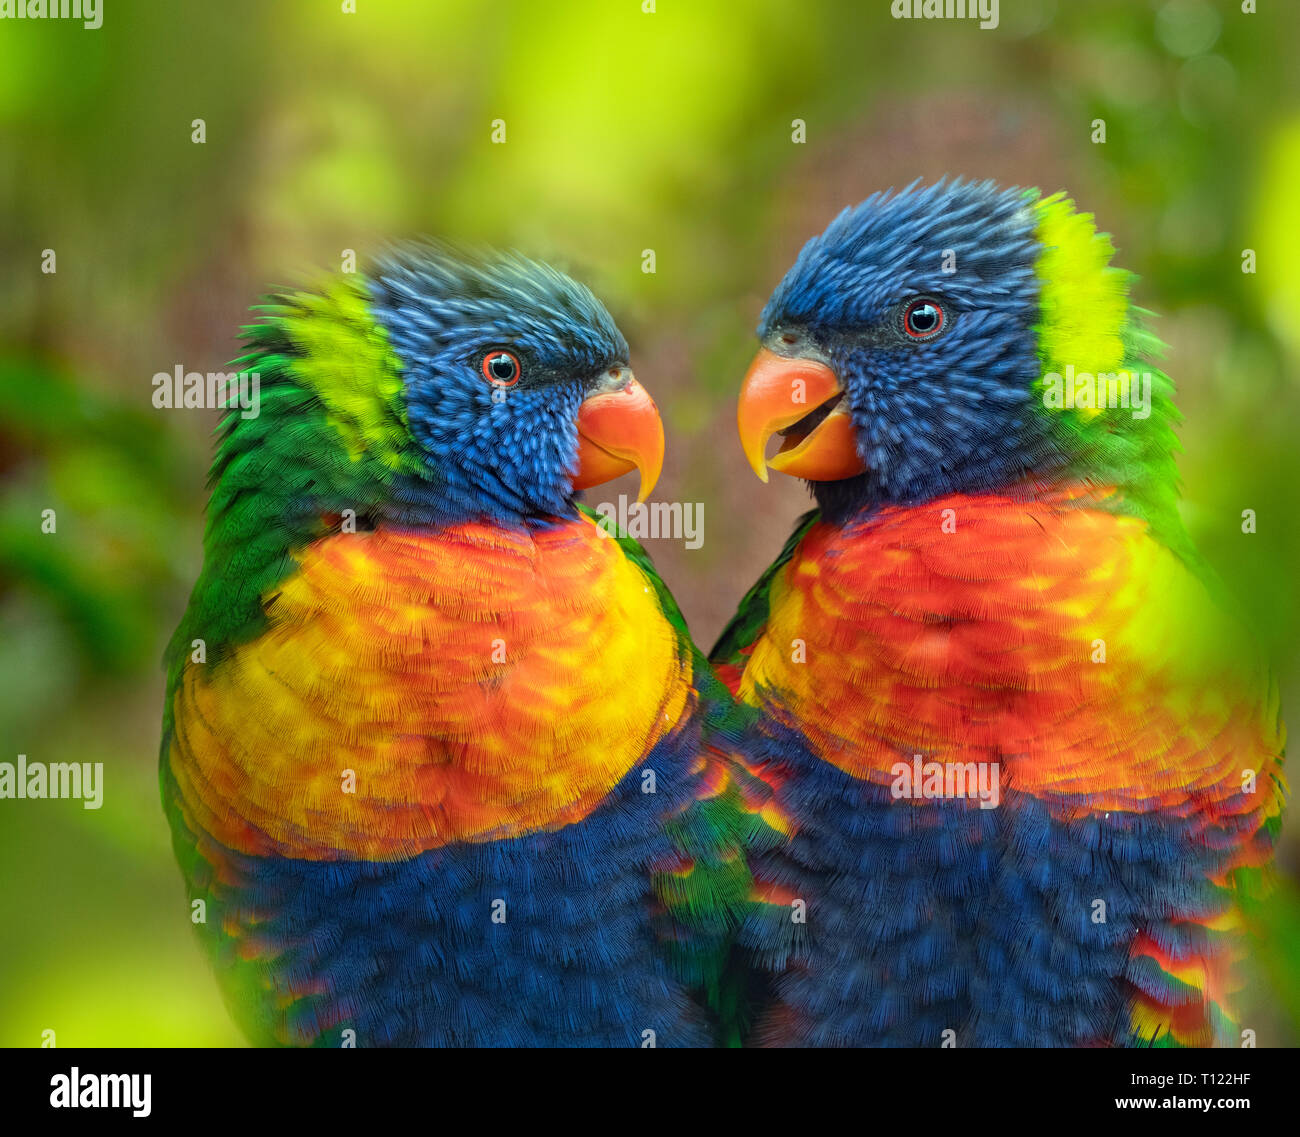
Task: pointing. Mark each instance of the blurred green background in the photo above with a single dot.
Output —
(625, 131)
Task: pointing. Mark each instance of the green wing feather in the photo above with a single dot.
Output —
(751, 614)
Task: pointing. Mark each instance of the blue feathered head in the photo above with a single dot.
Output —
(912, 350)
(503, 360)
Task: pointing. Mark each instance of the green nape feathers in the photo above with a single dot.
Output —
(1097, 357)
(324, 449)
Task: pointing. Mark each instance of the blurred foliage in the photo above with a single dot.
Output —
(626, 131)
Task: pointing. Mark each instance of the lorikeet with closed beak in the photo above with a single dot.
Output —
(1026, 757)
(432, 735)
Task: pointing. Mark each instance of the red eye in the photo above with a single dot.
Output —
(501, 368)
(923, 319)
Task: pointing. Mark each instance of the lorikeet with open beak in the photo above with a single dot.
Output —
(1025, 755)
(432, 736)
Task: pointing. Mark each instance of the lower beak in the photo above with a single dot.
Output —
(619, 431)
(804, 399)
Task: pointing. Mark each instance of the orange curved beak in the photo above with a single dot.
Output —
(778, 395)
(619, 431)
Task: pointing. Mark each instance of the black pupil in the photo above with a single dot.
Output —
(923, 318)
(502, 367)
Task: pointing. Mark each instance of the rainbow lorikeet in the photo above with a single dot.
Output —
(1025, 756)
(432, 735)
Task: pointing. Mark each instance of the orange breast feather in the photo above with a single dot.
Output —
(413, 690)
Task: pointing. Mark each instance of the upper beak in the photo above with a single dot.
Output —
(777, 394)
(619, 430)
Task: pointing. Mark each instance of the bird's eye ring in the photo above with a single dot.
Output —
(501, 368)
(923, 319)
